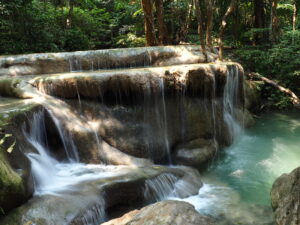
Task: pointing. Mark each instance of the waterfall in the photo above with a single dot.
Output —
(164, 122)
(159, 188)
(42, 164)
(230, 100)
(168, 186)
(51, 176)
(68, 143)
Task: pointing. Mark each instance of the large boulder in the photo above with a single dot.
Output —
(285, 196)
(162, 213)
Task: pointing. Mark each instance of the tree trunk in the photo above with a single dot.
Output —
(70, 14)
(209, 25)
(186, 26)
(147, 6)
(274, 23)
(162, 29)
(259, 18)
(294, 16)
(200, 30)
(223, 26)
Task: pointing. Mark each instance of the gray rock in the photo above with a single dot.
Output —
(195, 153)
(285, 196)
(45, 63)
(163, 213)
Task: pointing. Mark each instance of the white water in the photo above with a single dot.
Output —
(165, 123)
(230, 100)
(50, 175)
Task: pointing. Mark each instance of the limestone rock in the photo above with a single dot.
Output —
(16, 185)
(195, 153)
(163, 213)
(285, 196)
(46, 63)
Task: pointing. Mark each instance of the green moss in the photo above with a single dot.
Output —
(10, 182)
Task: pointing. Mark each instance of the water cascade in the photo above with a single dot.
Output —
(113, 120)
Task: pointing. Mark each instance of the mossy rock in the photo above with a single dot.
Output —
(15, 173)
(12, 189)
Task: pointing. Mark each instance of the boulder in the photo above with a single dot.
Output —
(285, 197)
(195, 153)
(162, 213)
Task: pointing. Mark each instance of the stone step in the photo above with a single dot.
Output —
(45, 63)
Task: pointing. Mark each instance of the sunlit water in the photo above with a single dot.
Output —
(238, 184)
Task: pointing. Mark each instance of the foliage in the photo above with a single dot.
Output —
(280, 62)
(276, 99)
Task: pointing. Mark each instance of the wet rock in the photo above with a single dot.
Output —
(197, 80)
(87, 202)
(285, 196)
(16, 185)
(161, 213)
(195, 153)
(46, 63)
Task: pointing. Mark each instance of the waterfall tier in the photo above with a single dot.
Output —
(135, 108)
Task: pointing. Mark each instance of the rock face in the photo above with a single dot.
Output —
(145, 113)
(101, 59)
(16, 185)
(127, 107)
(162, 213)
(285, 196)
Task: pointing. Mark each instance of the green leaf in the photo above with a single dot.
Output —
(11, 148)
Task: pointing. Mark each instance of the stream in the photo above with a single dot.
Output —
(237, 185)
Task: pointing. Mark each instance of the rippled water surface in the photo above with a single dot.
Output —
(238, 183)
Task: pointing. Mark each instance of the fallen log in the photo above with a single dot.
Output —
(294, 98)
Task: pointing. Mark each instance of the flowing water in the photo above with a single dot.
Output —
(237, 186)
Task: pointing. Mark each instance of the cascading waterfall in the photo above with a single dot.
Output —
(230, 100)
(68, 143)
(164, 121)
(160, 188)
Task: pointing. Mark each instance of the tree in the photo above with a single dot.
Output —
(162, 29)
(200, 29)
(274, 22)
(294, 15)
(209, 25)
(259, 18)
(229, 11)
(147, 6)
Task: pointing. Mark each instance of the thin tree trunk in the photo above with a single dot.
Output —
(294, 16)
(259, 18)
(186, 26)
(162, 29)
(223, 26)
(70, 14)
(274, 23)
(147, 6)
(200, 30)
(209, 26)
